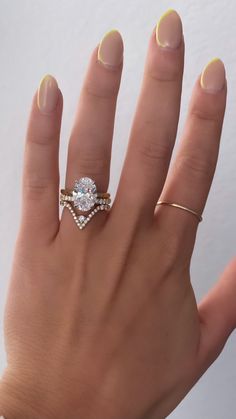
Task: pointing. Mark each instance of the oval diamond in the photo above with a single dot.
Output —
(85, 194)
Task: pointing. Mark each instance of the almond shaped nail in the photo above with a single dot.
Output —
(110, 51)
(213, 76)
(169, 31)
(48, 94)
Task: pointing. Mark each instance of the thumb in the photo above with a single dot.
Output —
(217, 312)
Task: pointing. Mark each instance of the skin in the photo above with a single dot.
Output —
(103, 323)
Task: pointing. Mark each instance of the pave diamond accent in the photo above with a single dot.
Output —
(80, 224)
(85, 194)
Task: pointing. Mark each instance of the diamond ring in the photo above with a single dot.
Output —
(84, 197)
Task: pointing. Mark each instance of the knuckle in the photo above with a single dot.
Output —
(196, 166)
(208, 115)
(90, 163)
(43, 130)
(36, 186)
(102, 91)
(44, 139)
(163, 74)
(153, 151)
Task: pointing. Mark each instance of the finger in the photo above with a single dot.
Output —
(155, 123)
(41, 174)
(190, 177)
(217, 313)
(89, 152)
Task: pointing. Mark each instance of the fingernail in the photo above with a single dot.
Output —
(110, 51)
(169, 31)
(48, 94)
(213, 76)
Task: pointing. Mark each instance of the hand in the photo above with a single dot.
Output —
(102, 323)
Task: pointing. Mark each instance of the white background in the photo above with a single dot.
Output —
(57, 37)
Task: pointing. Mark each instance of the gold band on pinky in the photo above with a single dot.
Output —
(173, 204)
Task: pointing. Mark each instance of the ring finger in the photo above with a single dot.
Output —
(89, 150)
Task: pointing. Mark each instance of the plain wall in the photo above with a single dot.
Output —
(57, 37)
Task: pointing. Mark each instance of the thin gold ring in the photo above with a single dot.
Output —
(172, 204)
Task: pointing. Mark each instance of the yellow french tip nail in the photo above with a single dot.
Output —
(48, 94)
(169, 32)
(213, 76)
(207, 65)
(110, 50)
(40, 85)
(106, 34)
(167, 12)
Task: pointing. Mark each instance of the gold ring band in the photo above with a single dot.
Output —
(172, 204)
(68, 193)
(70, 198)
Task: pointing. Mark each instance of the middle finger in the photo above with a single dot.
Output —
(155, 123)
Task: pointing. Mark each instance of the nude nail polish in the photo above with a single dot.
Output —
(110, 51)
(213, 76)
(48, 94)
(169, 31)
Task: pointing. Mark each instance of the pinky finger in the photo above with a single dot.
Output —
(40, 212)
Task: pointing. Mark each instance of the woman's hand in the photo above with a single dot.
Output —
(102, 323)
